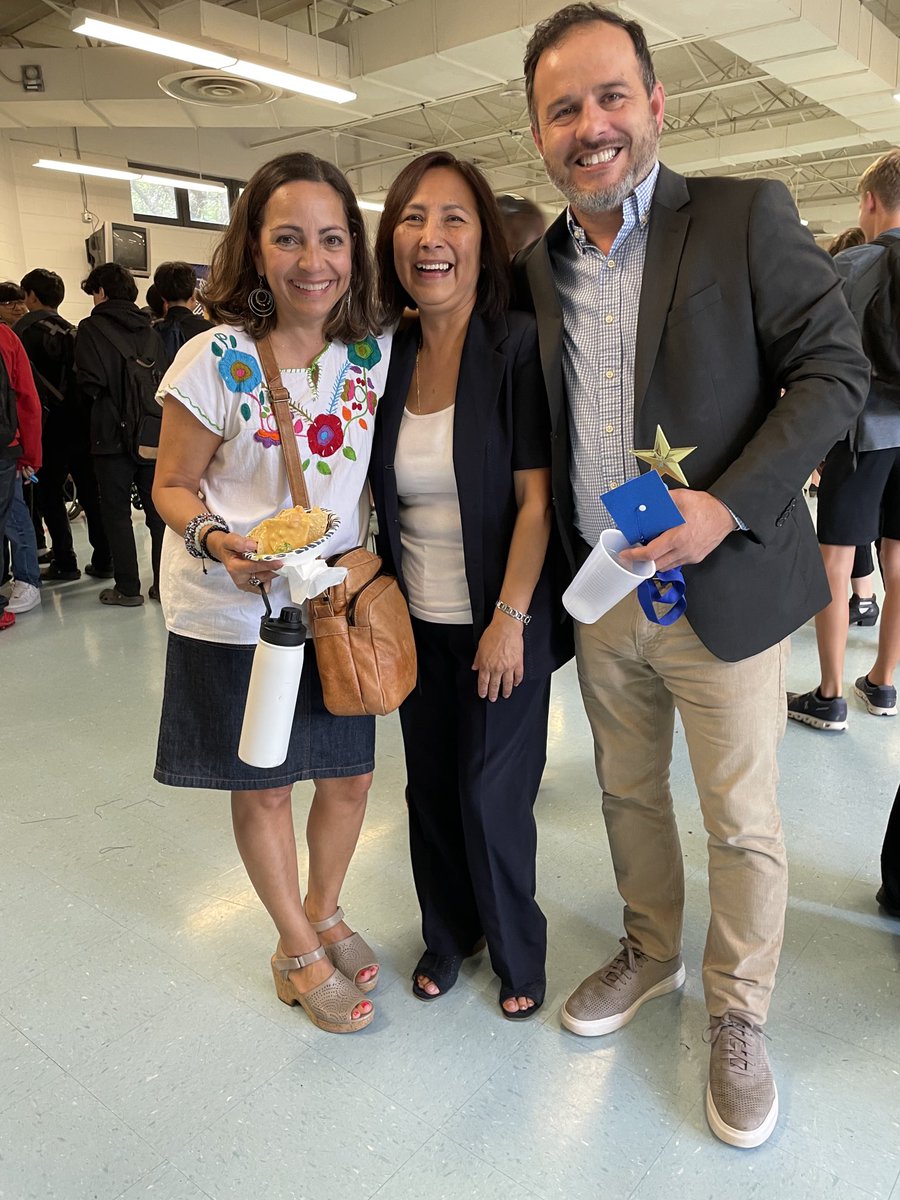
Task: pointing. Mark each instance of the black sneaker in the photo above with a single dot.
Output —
(99, 572)
(812, 709)
(54, 571)
(879, 699)
(892, 910)
(863, 610)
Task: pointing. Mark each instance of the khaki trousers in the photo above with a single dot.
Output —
(633, 675)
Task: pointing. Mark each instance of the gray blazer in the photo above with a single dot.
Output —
(737, 303)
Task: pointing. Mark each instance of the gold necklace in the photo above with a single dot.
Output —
(418, 404)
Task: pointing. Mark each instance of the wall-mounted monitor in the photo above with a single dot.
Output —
(127, 245)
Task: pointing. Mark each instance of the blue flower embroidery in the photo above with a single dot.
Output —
(240, 371)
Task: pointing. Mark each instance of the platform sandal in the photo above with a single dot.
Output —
(330, 1005)
(351, 955)
(532, 991)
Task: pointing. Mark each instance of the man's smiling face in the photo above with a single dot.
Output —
(596, 127)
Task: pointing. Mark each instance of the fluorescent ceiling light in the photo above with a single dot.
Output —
(291, 82)
(77, 168)
(145, 39)
(82, 168)
(122, 33)
(371, 205)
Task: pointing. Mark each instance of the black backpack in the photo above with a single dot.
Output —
(875, 303)
(173, 337)
(58, 346)
(144, 368)
(9, 413)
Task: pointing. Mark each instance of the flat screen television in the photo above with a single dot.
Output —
(127, 245)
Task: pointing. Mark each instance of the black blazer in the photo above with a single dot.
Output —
(737, 302)
(499, 376)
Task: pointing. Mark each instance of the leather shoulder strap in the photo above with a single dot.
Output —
(279, 398)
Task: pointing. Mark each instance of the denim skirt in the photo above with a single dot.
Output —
(203, 710)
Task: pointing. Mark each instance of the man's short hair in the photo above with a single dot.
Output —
(46, 285)
(882, 179)
(175, 281)
(116, 281)
(523, 221)
(155, 302)
(550, 33)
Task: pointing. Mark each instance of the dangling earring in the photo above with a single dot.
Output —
(348, 296)
(261, 302)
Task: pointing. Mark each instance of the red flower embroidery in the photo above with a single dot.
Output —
(325, 436)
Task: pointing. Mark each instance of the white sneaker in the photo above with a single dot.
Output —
(23, 597)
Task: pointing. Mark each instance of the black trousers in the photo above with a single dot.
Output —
(115, 475)
(63, 457)
(890, 857)
(473, 772)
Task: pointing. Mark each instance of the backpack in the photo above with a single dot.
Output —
(173, 337)
(58, 346)
(9, 413)
(144, 368)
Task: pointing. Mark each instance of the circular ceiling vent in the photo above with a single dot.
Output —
(217, 89)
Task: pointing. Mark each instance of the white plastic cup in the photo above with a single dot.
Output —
(604, 579)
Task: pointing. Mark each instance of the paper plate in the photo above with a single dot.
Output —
(310, 551)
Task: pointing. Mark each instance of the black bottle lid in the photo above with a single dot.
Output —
(286, 630)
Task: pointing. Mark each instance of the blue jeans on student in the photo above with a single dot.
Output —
(7, 492)
(20, 532)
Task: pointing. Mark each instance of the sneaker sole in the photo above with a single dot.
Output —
(25, 608)
(744, 1139)
(873, 708)
(817, 722)
(611, 1024)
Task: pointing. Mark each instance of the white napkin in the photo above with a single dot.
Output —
(310, 577)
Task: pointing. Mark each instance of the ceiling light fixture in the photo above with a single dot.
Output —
(123, 33)
(371, 205)
(82, 168)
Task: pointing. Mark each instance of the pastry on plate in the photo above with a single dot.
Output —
(291, 529)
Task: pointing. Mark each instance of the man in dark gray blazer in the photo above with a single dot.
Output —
(703, 307)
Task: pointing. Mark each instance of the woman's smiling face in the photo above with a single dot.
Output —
(437, 243)
(305, 251)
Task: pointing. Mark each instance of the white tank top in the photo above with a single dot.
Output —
(430, 526)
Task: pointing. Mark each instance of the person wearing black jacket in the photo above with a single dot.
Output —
(176, 282)
(49, 344)
(101, 376)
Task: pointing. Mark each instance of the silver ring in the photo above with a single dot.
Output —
(254, 582)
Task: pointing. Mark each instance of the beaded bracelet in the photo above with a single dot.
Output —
(195, 548)
(204, 536)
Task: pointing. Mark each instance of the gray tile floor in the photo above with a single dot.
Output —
(143, 1053)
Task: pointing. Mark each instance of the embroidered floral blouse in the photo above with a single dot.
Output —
(218, 378)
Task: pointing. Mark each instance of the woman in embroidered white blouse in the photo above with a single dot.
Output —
(292, 265)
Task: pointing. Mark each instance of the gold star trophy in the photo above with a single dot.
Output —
(665, 458)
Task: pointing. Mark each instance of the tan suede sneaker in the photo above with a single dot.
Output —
(610, 997)
(741, 1099)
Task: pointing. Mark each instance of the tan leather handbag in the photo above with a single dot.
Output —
(360, 628)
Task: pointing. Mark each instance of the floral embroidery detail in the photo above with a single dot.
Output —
(365, 353)
(325, 435)
(240, 371)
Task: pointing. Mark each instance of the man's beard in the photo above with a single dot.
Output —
(608, 199)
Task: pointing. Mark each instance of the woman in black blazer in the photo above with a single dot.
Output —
(461, 480)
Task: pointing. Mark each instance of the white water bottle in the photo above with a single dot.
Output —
(272, 695)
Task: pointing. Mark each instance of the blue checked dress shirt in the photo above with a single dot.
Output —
(599, 295)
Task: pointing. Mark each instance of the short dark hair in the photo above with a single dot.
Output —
(492, 296)
(116, 281)
(175, 280)
(523, 221)
(155, 302)
(10, 292)
(46, 285)
(550, 33)
(233, 276)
